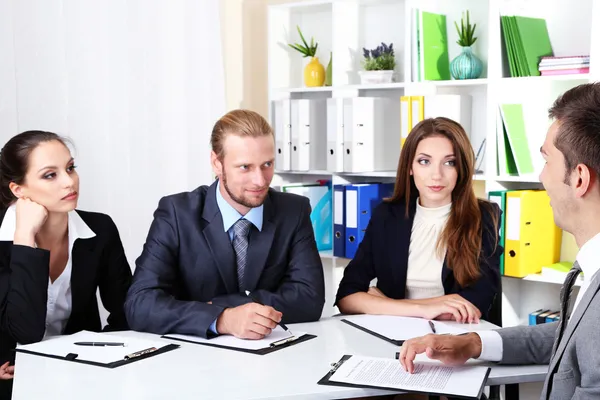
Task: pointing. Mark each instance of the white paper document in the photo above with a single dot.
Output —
(277, 335)
(428, 378)
(62, 346)
(401, 328)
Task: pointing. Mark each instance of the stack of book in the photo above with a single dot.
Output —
(525, 40)
(565, 65)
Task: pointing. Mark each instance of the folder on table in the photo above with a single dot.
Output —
(429, 377)
(64, 348)
(395, 329)
(361, 200)
(277, 340)
(339, 221)
(532, 238)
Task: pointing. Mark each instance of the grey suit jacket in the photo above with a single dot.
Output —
(188, 261)
(574, 370)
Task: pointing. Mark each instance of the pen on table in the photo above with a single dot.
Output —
(285, 328)
(99, 344)
(432, 326)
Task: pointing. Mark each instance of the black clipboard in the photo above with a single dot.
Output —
(260, 352)
(362, 328)
(325, 381)
(114, 364)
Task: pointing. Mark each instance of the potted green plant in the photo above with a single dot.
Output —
(314, 72)
(466, 65)
(378, 64)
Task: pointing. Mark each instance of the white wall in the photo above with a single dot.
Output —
(137, 85)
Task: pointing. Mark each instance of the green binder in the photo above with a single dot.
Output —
(499, 197)
(434, 47)
(512, 116)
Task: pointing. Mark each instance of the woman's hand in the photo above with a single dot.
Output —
(7, 371)
(451, 307)
(30, 219)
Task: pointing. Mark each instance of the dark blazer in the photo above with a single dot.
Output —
(383, 254)
(97, 262)
(188, 260)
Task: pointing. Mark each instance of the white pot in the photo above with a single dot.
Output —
(369, 77)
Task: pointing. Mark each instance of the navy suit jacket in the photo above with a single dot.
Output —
(383, 254)
(188, 261)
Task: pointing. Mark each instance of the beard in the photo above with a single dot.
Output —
(241, 200)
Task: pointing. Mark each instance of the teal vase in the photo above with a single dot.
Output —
(466, 65)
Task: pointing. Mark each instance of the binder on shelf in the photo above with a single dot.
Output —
(335, 134)
(339, 221)
(533, 316)
(374, 143)
(321, 206)
(454, 106)
(417, 109)
(499, 197)
(432, 46)
(532, 238)
(65, 347)
(405, 118)
(282, 126)
(361, 200)
(309, 137)
(516, 138)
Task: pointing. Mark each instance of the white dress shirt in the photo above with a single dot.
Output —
(588, 256)
(424, 273)
(59, 305)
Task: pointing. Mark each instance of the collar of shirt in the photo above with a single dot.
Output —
(230, 215)
(78, 229)
(588, 257)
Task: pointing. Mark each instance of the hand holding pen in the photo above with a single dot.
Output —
(249, 321)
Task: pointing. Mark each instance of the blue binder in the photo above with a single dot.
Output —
(361, 200)
(339, 221)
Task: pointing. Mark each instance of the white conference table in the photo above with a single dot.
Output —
(204, 372)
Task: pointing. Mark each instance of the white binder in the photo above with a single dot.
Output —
(309, 134)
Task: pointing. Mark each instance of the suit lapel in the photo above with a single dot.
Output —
(574, 321)
(84, 266)
(259, 246)
(218, 241)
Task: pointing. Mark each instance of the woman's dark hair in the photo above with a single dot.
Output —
(14, 160)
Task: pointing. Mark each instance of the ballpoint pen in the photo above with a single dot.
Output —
(432, 326)
(100, 344)
(285, 328)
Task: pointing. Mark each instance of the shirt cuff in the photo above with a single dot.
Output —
(491, 346)
(213, 327)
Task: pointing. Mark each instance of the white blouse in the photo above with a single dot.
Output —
(59, 304)
(424, 275)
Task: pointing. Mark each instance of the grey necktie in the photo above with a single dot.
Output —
(565, 294)
(240, 246)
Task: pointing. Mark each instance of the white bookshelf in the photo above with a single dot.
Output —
(344, 27)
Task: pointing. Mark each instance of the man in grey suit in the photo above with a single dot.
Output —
(571, 176)
(235, 257)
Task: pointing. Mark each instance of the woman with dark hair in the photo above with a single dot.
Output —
(433, 246)
(53, 258)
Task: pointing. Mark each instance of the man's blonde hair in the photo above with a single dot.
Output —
(241, 123)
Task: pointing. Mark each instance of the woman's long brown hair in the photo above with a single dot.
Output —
(462, 235)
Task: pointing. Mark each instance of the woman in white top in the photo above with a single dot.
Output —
(53, 258)
(433, 246)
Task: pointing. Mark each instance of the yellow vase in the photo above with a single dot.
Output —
(314, 73)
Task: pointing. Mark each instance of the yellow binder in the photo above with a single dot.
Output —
(532, 238)
(417, 109)
(405, 118)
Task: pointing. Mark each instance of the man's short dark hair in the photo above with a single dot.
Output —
(578, 138)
